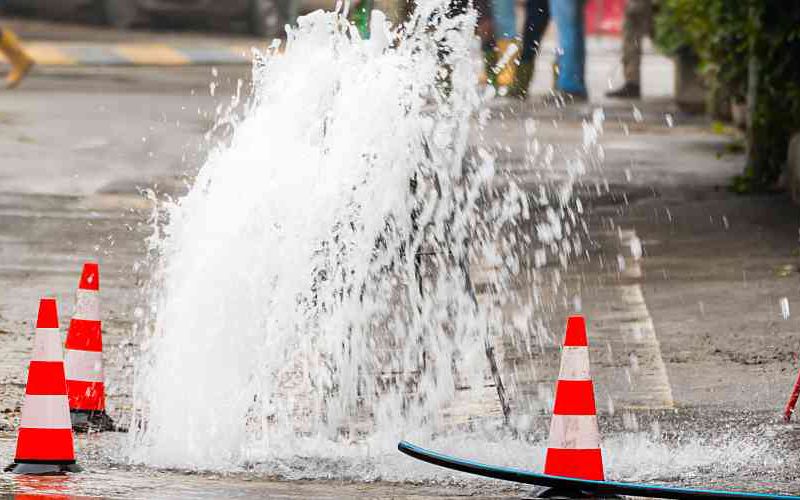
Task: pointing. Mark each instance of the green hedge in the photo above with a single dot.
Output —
(724, 34)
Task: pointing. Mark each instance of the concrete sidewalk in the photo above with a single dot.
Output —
(53, 43)
(137, 54)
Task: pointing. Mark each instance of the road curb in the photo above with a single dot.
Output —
(137, 54)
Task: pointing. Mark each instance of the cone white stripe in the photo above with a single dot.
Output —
(87, 305)
(45, 412)
(47, 345)
(575, 363)
(84, 366)
(575, 432)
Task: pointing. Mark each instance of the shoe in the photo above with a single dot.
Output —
(20, 61)
(629, 90)
(519, 89)
(506, 74)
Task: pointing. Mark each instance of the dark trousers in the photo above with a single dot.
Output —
(537, 17)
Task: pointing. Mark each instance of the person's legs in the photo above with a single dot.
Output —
(568, 16)
(485, 25)
(505, 19)
(638, 16)
(484, 30)
(20, 61)
(505, 34)
(537, 17)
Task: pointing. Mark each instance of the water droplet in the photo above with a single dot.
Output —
(636, 247)
(784, 304)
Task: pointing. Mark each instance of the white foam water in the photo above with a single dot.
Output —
(311, 290)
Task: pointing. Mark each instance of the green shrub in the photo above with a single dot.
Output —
(724, 34)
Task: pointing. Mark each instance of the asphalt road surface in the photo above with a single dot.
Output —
(689, 346)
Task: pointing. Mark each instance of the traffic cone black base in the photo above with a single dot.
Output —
(559, 493)
(42, 469)
(91, 421)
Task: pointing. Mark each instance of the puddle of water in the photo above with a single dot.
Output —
(338, 471)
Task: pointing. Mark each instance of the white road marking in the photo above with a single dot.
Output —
(628, 332)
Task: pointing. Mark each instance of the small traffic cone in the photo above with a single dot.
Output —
(44, 443)
(84, 358)
(574, 449)
(789, 409)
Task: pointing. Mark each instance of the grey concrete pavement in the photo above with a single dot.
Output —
(83, 131)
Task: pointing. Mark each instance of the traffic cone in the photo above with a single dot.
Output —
(789, 409)
(44, 443)
(574, 449)
(84, 358)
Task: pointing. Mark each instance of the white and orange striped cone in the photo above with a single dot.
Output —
(574, 449)
(44, 443)
(84, 357)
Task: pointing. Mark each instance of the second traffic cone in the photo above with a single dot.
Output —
(574, 449)
(44, 443)
(84, 358)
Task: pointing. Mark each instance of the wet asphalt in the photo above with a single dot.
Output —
(82, 147)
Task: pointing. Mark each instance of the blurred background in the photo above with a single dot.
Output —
(261, 18)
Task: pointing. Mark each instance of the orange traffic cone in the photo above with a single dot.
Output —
(84, 357)
(574, 449)
(44, 443)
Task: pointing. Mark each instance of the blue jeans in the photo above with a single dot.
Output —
(505, 19)
(568, 16)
